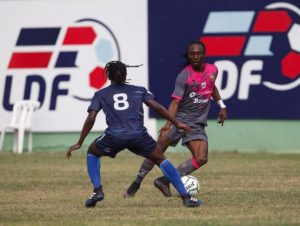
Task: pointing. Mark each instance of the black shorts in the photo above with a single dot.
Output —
(141, 144)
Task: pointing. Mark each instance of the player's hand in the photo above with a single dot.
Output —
(222, 116)
(72, 148)
(165, 129)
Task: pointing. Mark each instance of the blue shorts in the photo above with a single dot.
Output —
(141, 144)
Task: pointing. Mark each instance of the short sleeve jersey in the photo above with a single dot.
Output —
(193, 89)
(123, 108)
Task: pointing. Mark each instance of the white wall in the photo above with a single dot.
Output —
(124, 21)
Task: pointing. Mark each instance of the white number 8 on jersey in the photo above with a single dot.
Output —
(121, 102)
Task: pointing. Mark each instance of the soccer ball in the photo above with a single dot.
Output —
(191, 184)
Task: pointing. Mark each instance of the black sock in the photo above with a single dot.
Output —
(146, 167)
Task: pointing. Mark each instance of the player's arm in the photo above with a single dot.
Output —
(176, 97)
(223, 111)
(170, 116)
(87, 126)
(173, 107)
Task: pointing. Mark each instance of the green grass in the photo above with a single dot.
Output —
(237, 189)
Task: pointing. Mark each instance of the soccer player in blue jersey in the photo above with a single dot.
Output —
(122, 105)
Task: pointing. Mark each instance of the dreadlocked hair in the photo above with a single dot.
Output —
(185, 55)
(116, 71)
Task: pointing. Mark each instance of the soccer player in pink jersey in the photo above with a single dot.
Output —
(194, 87)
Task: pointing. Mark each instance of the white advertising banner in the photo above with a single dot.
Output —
(55, 52)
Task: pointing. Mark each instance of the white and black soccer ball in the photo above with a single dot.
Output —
(191, 184)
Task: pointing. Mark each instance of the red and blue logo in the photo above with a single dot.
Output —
(77, 53)
(254, 35)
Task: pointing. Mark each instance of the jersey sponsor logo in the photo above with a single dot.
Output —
(200, 101)
(192, 94)
(49, 58)
(264, 40)
(197, 100)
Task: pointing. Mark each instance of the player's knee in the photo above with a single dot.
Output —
(204, 161)
(156, 157)
(163, 143)
(159, 159)
(93, 150)
(198, 162)
(90, 152)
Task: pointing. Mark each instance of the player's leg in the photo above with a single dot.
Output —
(172, 174)
(199, 151)
(103, 146)
(196, 141)
(145, 168)
(171, 137)
(144, 145)
(93, 167)
(164, 187)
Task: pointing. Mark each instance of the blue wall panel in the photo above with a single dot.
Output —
(267, 53)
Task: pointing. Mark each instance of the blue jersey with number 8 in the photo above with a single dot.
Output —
(123, 108)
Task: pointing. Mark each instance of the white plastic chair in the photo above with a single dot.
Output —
(21, 123)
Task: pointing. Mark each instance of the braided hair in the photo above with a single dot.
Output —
(185, 55)
(116, 71)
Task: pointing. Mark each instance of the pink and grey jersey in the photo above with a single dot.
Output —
(193, 89)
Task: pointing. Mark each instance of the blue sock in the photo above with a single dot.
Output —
(93, 166)
(172, 174)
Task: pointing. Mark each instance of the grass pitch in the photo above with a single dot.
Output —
(237, 189)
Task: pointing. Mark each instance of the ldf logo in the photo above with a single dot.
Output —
(57, 56)
(256, 38)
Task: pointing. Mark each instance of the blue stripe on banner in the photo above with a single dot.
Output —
(229, 22)
(66, 59)
(38, 36)
(259, 46)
